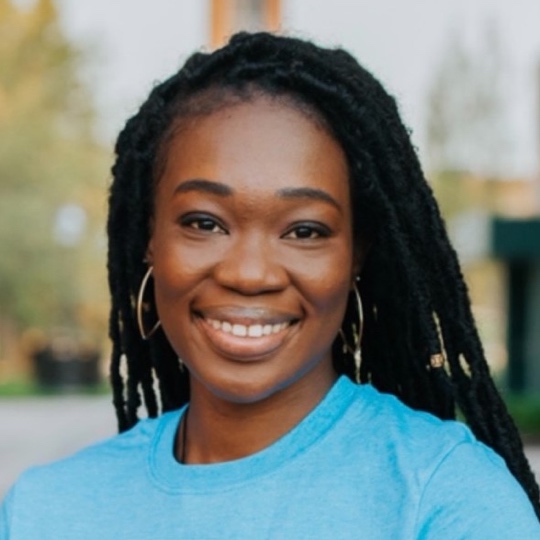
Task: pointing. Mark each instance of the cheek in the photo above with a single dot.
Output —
(325, 281)
(175, 277)
(177, 274)
(179, 266)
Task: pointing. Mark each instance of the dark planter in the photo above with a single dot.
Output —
(66, 370)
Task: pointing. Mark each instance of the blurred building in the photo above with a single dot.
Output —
(496, 233)
(230, 16)
(516, 241)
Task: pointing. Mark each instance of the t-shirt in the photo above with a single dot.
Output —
(360, 465)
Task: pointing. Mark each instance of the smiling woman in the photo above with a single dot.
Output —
(260, 196)
(252, 230)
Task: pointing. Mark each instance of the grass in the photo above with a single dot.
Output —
(29, 388)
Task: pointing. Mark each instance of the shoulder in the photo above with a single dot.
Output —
(460, 487)
(388, 422)
(417, 439)
(403, 446)
(93, 469)
(471, 491)
(87, 484)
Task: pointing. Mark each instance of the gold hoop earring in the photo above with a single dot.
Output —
(356, 350)
(139, 308)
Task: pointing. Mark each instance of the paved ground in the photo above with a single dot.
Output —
(34, 431)
(38, 430)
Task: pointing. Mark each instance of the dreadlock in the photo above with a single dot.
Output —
(415, 300)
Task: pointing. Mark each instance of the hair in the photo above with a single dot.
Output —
(415, 299)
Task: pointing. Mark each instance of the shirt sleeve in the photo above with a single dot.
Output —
(471, 494)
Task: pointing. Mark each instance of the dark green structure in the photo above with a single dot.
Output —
(517, 242)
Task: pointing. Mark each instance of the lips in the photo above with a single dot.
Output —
(246, 334)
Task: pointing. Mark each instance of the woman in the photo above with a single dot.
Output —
(262, 195)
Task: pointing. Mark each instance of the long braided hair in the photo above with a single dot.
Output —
(415, 300)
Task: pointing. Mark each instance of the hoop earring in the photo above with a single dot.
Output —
(355, 351)
(139, 308)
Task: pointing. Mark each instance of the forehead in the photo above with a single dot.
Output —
(262, 144)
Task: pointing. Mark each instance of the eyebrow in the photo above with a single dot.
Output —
(310, 194)
(223, 190)
(208, 186)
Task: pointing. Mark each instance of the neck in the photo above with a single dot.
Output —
(215, 430)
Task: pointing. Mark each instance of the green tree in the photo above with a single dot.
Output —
(52, 177)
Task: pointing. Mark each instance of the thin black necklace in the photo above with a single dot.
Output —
(183, 437)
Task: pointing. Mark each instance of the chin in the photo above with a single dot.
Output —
(257, 383)
(247, 388)
(247, 392)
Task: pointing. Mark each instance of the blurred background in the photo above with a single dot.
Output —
(466, 74)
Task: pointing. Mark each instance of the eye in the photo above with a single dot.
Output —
(203, 223)
(307, 231)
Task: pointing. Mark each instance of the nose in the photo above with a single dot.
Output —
(251, 266)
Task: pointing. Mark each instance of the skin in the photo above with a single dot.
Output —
(252, 226)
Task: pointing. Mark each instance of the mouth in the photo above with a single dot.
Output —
(245, 335)
(243, 330)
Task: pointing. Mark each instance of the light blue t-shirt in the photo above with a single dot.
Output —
(360, 465)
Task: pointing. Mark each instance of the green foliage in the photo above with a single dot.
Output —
(48, 159)
(525, 409)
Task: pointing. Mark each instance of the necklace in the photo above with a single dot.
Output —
(183, 437)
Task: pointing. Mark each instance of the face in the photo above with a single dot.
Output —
(252, 249)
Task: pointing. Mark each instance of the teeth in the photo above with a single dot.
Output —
(241, 330)
(255, 330)
(226, 327)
